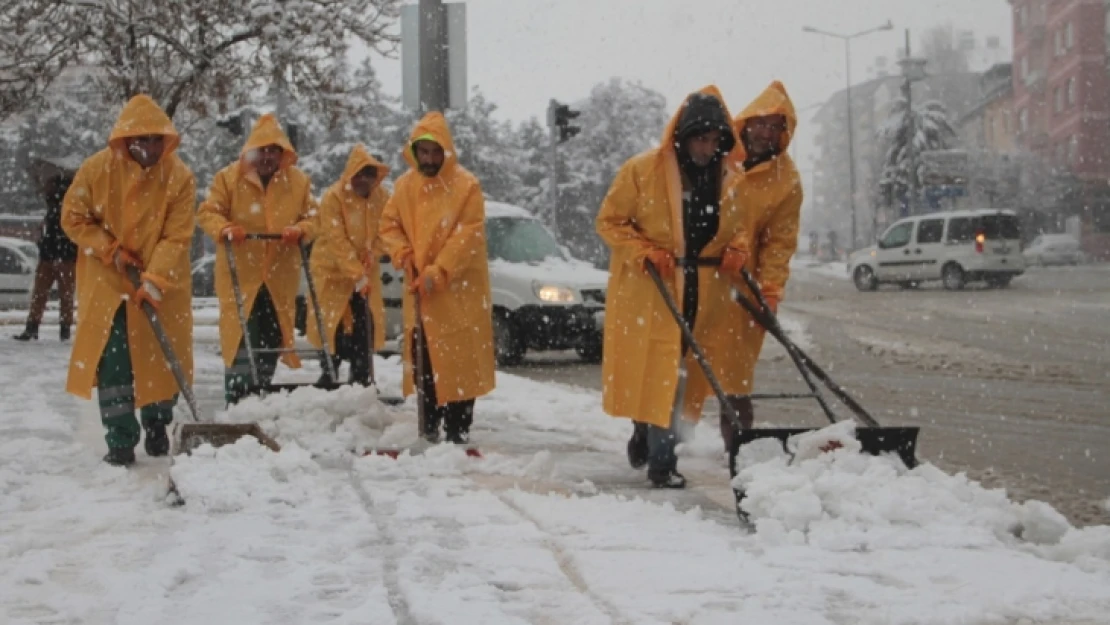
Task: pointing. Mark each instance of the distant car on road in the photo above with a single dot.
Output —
(1053, 249)
(18, 260)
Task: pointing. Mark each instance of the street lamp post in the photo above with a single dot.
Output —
(847, 39)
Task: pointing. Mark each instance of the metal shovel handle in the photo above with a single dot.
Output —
(167, 348)
(699, 356)
(418, 347)
(233, 269)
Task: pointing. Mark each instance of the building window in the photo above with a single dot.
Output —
(1073, 150)
(1058, 41)
(1025, 67)
(1058, 97)
(1023, 120)
(1071, 91)
(1069, 37)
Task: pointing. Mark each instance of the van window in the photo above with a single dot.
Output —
(996, 227)
(9, 262)
(930, 231)
(898, 235)
(961, 230)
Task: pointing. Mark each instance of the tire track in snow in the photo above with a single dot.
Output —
(566, 563)
(394, 595)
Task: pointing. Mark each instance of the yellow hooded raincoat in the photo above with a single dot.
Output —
(440, 222)
(771, 194)
(348, 238)
(237, 197)
(114, 203)
(643, 212)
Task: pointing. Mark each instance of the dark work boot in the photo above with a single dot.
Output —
(667, 479)
(155, 440)
(120, 456)
(63, 333)
(638, 446)
(30, 333)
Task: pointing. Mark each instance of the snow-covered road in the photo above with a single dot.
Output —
(550, 527)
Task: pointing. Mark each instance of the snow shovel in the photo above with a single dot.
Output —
(418, 380)
(256, 387)
(874, 438)
(388, 400)
(189, 436)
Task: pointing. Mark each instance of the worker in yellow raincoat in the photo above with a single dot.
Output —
(130, 209)
(434, 229)
(770, 192)
(669, 207)
(262, 192)
(344, 264)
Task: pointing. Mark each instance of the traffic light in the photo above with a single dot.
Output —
(562, 114)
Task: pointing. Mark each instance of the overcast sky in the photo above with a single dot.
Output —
(523, 52)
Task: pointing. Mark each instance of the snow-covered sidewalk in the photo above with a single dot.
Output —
(550, 527)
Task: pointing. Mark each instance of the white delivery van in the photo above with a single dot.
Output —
(954, 247)
(543, 299)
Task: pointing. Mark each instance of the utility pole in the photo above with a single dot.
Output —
(433, 55)
(552, 161)
(851, 127)
(911, 200)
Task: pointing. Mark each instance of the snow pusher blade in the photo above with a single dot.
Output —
(189, 436)
(874, 438)
(416, 450)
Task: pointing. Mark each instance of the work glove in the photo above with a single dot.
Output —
(291, 235)
(404, 262)
(433, 279)
(234, 233)
(772, 304)
(732, 261)
(362, 287)
(663, 261)
(124, 259)
(149, 293)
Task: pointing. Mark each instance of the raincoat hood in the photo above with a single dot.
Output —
(432, 127)
(773, 101)
(358, 159)
(142, 116)
(267, 131)
(701, 111)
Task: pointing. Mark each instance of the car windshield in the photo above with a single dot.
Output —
(519, 240)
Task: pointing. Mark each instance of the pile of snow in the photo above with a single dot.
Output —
(328, 424)
(244, 475)
(842, 500)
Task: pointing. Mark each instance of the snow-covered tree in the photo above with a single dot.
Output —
(907, 134)
(619, 120)
(190, 55)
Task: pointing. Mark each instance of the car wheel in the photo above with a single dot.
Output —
(864, 278)
(953, 277)
(590, 349)
(507, 346)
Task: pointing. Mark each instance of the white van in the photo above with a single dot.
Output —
(18, 261)
(954, 247)
(543, 299)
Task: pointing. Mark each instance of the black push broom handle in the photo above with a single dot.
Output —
(167, 348)
(726, 405)
(771, 324)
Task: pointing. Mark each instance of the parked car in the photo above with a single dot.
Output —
(1053, 249)
(18, 261)
(954, 247)
(543, 298)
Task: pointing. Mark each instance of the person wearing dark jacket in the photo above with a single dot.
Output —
(57, 264)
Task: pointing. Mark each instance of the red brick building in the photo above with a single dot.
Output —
(1061, 90)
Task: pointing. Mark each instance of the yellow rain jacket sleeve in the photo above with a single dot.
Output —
(237, 196)
(440, 223)
(114, 203)
(771, 193)
(347, 245)
(643, 212)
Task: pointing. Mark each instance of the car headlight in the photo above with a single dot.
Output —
(553, 293)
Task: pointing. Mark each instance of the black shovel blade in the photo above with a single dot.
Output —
(874, 440)
(270, 389)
